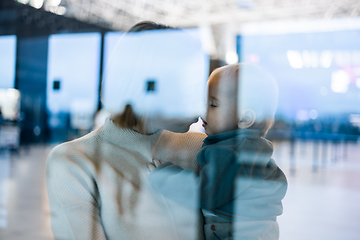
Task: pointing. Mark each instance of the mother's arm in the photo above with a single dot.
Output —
(73, 195)
(179, 148)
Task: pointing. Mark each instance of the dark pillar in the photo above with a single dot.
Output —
(31, 70)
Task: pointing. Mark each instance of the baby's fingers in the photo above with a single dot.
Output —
(158, 162)
(150, 166)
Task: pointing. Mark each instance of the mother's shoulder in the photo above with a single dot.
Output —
(80, 145)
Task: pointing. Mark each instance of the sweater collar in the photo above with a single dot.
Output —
(116, 134)
(239, 133)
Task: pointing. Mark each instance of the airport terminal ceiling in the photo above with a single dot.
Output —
(120, 15)
(218, 20)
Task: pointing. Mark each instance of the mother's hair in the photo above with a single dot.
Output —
(128, 119)
(147, 25)
(157, 76)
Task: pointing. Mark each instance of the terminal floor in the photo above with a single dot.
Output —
(322, 202)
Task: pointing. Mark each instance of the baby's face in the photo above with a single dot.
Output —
(221, 113)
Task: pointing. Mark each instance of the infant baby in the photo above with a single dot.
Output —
(238, 187)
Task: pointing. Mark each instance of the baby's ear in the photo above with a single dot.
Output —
(247, 118)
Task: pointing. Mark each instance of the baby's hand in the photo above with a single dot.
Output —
(151, 166)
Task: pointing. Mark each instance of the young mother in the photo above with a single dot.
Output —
(97, 184)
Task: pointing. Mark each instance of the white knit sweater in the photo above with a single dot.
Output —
(97, 186)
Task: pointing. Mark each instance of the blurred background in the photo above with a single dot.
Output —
(53, 54)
